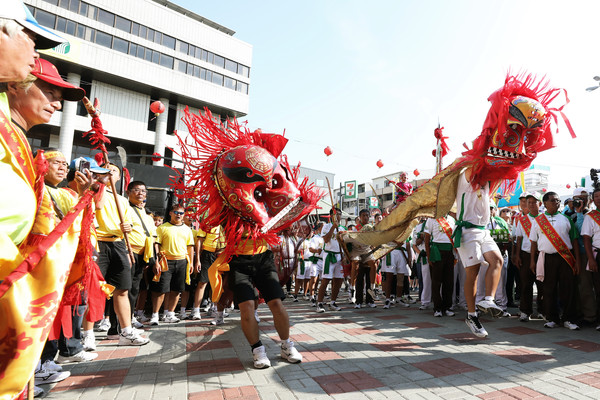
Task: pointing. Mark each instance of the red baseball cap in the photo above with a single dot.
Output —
(47, 72)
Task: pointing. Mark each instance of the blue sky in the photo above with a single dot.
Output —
(370, 80)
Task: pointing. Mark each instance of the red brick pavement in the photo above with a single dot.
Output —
(322, 354)
(391, 317)
(347, 382)
(212, 345)
(214, 366)
(101, 378)
(521, 330)
(361, 331)
(591, 379)
(517, 392)
(301, 337)
(581, 345)
(396, 345)
(207, 333)
(421, 325)
(117, 353)
(522, 355)
(444, 367)
(463, 337)
(240, 393)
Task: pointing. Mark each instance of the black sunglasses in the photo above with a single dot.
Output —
(178, 212)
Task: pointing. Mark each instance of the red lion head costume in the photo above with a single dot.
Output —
(239, 179)
(516, 128)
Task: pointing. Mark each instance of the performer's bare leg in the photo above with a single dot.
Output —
(323, 289)
(493, 273)
(335, 287)
(280, 318)
(471, 286)
(249, 324)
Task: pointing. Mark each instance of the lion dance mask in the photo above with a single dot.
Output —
(238, 179)
(517, 127)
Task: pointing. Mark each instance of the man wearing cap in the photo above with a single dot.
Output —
(585, 288)
(522, 260)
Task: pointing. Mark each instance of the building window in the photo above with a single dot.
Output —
(190, 69)
(155, 57)
(196, 71)
(243, 70)
(182, 47)
(135, 28)
(45, 18)
(242, 87)
(168, 41)
(103, 39)
(148, 55)
(80, 31)
(157, 37)
(133, 49)
(71, 28)
(141, 50)
(202, 73)
(166, 61)
(143, 31)
(180, 66)
(231, 66)
(123, 24)
(74, 6)
(106, 17)
(217, 79)
(219, 61)
(63, 4)
(204, 55)
(192, 51)
(90, 34)
(150, 35)
(229, 83)
(61, 24)
(120, 45)
(83, 9)
(53, 2)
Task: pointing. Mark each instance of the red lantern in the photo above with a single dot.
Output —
(568, 186)
(157, 108)
(416, 172)
(544, 190)
(156, 157)
(433, 152)
(379, 163)
(327, 151)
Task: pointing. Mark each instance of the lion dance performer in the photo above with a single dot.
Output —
(252, 193)
(517, 127)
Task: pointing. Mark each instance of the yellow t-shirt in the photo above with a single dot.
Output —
(107, 217)
(174, 240)
(18, 203)
(213, 240)
(137, 237)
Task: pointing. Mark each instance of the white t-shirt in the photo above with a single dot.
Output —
(333, 244)
(562, 226)
(520, 232)
(592, 229)
(433, 227)
(473, 206)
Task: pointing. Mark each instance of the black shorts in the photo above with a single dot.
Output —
(246, 272)
(114, 264)
(172, 280)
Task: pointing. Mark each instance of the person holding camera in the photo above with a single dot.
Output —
(585, 289)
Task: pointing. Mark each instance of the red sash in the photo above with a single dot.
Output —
(595, 215)
(555, 239)
(446, 228)
(526, 223)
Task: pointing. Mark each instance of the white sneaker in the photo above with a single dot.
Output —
(320, 308)
(475, 326)
(154, 321)
(550, 325)
(171, 319)
(334, 307)
(218, 320)
(387, 304)
(37, 391)
(487, 306)
(357, 306)
(183, 316)
(260, 358)
(437, 314)
(371, 293)
(424, 307)
(403, 302)
(289, 353)
(50, 365)
(523, 317)
(89, 342)
(256, 317)
(408, 299)
(449, 313)
(44, 376)
(142, 318)
(136, 324)
(196, 315)
(371, 305)
(104, 325)
(571, 326)
(82, 356)
(133, 339)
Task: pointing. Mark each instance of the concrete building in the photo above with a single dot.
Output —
(131, 53)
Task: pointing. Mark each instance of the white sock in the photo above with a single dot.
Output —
(286, 342)
(87, 333)
(489, 298)
(472, 314)
(182, 310)
(196, 310)
(126, 331)
(155, 315)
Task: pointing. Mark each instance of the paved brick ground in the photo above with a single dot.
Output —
(351, 354)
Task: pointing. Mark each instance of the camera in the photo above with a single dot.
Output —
(577, 203)
(81, 164)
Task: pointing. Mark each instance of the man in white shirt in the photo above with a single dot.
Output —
(331, 262)
(591, 240)
(555, 236)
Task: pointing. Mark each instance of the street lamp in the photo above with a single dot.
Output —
(592, 88)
